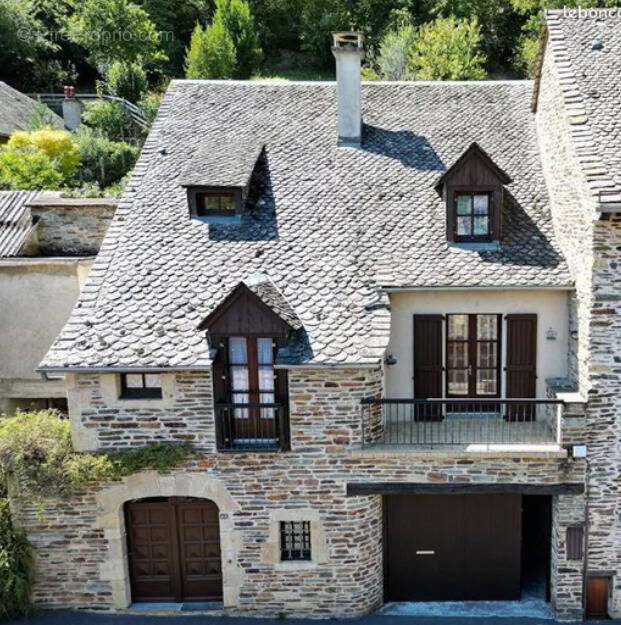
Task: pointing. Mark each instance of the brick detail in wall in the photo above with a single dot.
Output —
(325, 429)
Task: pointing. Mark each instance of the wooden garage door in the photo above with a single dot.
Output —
(174, 550)
(452, 547)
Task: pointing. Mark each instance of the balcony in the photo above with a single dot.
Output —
(462, 424)
(251, 427)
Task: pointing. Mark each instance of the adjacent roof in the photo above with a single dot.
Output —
(474, 148)
(330, 226)
(586, 48)
(229, 161)
(15, 220)
(16, 110)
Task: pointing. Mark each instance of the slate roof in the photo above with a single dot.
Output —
(229, 160)
(16, 111)
(15, 220)
(330, 226)
(587, 53)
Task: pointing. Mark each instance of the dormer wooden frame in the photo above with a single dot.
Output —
(195, 192)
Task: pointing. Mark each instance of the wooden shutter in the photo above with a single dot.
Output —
(428, 364)
(574, 542)
(522, 356)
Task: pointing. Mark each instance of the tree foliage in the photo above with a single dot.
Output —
(448, 49)
(395, 51)
(126, 80)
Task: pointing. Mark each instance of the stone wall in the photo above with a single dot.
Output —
(254, 491)
(70, 226)
(592, 247)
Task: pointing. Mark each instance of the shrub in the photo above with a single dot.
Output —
(150, 105)
(57, 144)
(211, 53)
(126, 80)
(103, 161)
(109, 118)
(395, 51)
(16, 568)
(36, 449)
(28, 171)
(448, 49)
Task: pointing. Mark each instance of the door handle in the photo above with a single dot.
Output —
(425, 552)
(469, 369)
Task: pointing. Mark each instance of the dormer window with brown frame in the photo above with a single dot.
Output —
(216, 204)
(473, 189)
(473, 216)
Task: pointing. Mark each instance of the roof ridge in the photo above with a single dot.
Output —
(597, 174)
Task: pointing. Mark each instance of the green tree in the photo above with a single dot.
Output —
(395, 51)
(239, 23)
(448, 49)
(28, 171)
(114, 30)
(109, 119)
(211, 53)
(126, 80)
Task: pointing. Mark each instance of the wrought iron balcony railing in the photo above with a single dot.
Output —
(251, 427)
(461, 422)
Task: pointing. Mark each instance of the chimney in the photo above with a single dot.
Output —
(72, 109)
(348, 52)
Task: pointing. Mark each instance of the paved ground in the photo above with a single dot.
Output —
(84, 618)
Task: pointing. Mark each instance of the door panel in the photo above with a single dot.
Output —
(428, 364)
(521, 364)
(452, 547)
(597, 597)
(174, 550)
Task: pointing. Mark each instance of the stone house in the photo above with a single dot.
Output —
(387, 314)
(47, 246)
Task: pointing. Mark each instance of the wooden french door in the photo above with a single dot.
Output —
(473, 355)
(521, 365)
(174, 550)
(252, 381)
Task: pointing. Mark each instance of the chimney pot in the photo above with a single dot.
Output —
(348, 51)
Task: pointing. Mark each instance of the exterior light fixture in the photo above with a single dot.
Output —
(551, 334)
(390, 360)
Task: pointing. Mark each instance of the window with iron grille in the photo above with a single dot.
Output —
(295, 540)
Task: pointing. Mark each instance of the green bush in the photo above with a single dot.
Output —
(16, 568)
(36, 451)
(150, 105)
(109, 118)
(28, 171)
(104, 162)
(126, 80)
(395, 51)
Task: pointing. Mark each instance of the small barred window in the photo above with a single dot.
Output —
(295, 540)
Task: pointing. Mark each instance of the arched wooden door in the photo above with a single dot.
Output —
(174, 549)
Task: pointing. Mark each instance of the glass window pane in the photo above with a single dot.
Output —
(239, 378)
(218, 202)
(133, 380)
(480, 204)
(464, 204)
(457, 355)
(481, 226)
(487, 327)
(152, 380)
(486, 355)
(238, 351)
(458, 381)
(265, 351)
(486, 382)
(458, 327)
(464, 226)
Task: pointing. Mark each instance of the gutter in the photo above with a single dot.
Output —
(436, 289)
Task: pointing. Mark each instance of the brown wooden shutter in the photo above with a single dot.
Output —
(221, 372)
(428, 356)
(574, 542)
(522, 356)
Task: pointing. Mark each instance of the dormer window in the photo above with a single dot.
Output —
(473, 188)
(473, 216)
(215, 203)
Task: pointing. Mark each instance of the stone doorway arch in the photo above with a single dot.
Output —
(111, 518)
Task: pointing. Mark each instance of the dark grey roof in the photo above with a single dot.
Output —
(329, 225)
(587, 51)
(16, 110)
(15, 220)
(222, 161)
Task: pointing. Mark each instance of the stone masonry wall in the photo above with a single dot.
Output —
(593, 249)
(71, 227)
(256, 490)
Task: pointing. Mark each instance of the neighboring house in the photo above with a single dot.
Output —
(47, 246)
(396, 344)
(16, 112)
